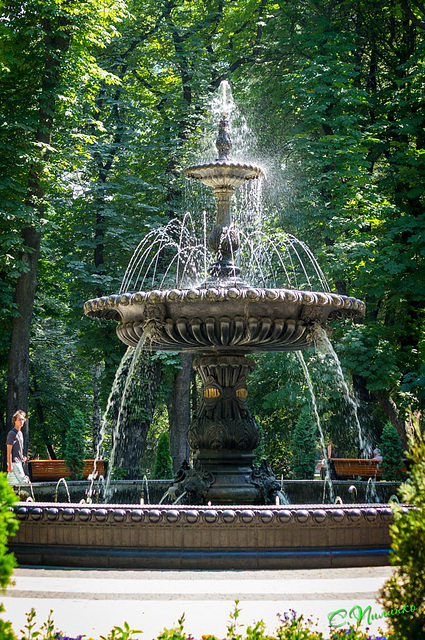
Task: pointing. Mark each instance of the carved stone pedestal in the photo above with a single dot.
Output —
(223, 437)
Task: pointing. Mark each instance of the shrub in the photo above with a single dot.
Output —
(392, 454)
(407, 585)
(163, 461)
(8, 527)
(304, 446)
(74, 444)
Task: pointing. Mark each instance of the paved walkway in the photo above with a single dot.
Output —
(92, 602)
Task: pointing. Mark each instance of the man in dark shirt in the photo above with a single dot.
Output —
(15, 449)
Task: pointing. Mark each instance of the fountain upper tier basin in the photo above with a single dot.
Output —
(223, 173)
(243, 320)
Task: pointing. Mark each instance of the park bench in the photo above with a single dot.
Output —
(351, 468)
(52, 470)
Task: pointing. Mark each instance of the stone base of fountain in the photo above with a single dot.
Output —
(226, 476)
(189, 537)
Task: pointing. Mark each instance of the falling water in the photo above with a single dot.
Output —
(322, 342)
(371, 493)
(65, 484)
(319, 426)
(268, 260)
(111, 399)
(122, 407)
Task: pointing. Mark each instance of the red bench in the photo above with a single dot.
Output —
(46, 470)
(350, 468)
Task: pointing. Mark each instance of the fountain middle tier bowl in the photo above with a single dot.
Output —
(223, 173)
(211, 320)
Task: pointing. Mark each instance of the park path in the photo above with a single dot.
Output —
(91, 602)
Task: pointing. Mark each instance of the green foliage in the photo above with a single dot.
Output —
(407, 584)
(6, 631)
(392, 454)
(290, 627)
(163, 461)
(8, 527)
(75, 445)
(304, 445)
(121, 633)
(335, 98)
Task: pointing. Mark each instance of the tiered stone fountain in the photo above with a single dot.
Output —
(222, 321)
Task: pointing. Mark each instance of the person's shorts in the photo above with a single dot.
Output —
(17, 476)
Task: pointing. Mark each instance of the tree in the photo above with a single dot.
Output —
(74, 453)
(344, 93)
(44, 52)
(304, 446)
(163, 461)
(392, 454)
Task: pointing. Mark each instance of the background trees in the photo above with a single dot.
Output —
(103, 105)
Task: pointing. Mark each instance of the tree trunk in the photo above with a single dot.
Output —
(390, 409)
(18, 362)
(179, 412)
(56, 42)
(137, 416)
(40, 414)
(130, 447)
(3, 433)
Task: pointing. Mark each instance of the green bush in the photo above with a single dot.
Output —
(75, 444)
(392, 454)
(163, 461)
(8, 527)
(304, 446)
(407, 585)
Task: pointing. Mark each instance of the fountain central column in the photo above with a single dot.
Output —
(224, 433)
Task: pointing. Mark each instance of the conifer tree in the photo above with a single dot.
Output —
(304, 446)
(163, 461)
(75, 444)
(392, 453)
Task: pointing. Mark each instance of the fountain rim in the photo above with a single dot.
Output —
(224, 164)
(96, 306)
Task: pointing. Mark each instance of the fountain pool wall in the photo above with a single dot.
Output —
(202, 537)
(297, 491)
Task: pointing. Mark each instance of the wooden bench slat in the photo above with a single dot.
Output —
(41, 470)
(363, 467)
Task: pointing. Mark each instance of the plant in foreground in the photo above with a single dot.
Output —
(290, 627)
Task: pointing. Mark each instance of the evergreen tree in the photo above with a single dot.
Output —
(392, 453)
(304, 446)
(75, 444)
(163, 461)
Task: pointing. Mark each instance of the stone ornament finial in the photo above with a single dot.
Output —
(223, 141)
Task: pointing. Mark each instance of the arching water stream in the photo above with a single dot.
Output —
(304, 367)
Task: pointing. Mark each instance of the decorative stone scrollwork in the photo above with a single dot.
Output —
(264, 479)
(223, 420)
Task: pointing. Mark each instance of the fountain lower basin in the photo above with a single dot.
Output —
(207, 537)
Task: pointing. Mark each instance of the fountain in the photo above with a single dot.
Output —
(225, 513)
(223, 320)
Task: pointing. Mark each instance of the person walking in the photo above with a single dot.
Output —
(15, 450)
